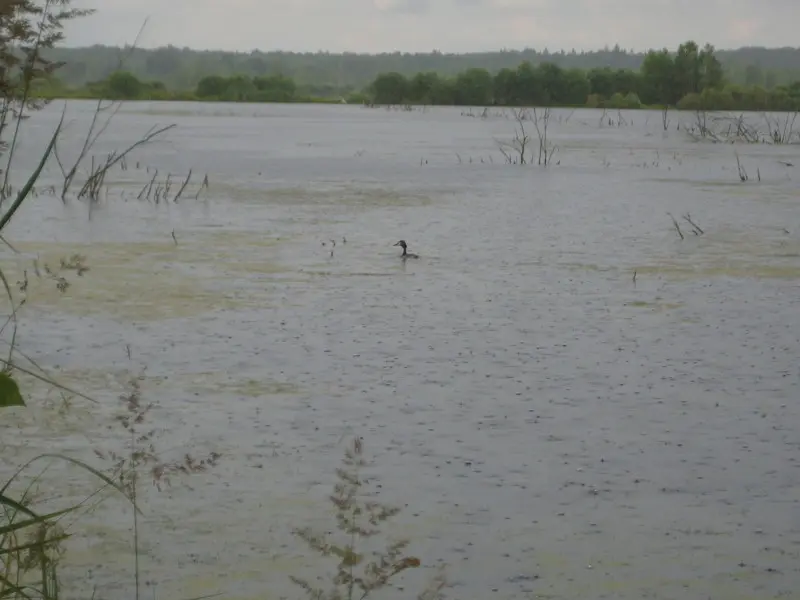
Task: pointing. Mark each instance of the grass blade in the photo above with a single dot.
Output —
(16, 506)
(5, 529)
(31, 545)
(74, 461)
(23, 193)
(48, 381)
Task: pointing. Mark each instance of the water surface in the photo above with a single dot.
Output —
(551, 427)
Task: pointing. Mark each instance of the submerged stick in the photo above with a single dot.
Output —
(697, 230)
(183, 187)
(677, 226)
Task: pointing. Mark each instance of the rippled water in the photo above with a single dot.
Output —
(552, 428)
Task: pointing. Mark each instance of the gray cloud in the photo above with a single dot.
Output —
(403, 6)
(447, 25)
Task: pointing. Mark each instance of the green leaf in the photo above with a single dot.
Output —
(9, 392)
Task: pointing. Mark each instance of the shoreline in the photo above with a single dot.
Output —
(410, 106)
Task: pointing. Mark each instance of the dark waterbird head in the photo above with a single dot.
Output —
(406, 253)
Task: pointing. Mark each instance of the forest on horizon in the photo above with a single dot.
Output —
(328, 74)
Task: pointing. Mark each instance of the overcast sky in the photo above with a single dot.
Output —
(446, 25)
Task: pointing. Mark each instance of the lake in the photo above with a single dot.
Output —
(566, 399)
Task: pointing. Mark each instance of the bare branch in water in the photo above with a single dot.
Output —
(91, 187)
(546, 150)
(677, 226)
(740, 168)
(515, 151)
(183, 187)
(695, 227)
(104, 113)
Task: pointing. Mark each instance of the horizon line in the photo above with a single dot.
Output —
(628, 51)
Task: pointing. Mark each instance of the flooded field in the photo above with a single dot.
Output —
(552, 425)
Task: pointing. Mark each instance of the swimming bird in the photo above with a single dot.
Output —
(406, 253)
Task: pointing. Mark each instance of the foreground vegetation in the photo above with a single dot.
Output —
(691, 78)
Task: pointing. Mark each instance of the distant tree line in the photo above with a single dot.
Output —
(691, 78)
(124, 85)
(336, 74)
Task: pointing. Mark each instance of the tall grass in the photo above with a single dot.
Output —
(360, 572)
(30, 541)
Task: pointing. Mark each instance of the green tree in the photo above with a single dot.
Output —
(240, 88)
(212, 86)
(257, 65)
(601, 82)
(164, 62)
(528, 85)
(576, 87)
(423, 87)
(755, 97)
(793, 90)
(711, 74)
(444, 93)
(780, 100)
(275, 88)
(474, 87)
(688, 69)
(124, 85)
(626, 81)
(506, 87)
(714, 98)
(390, 88)
(753, 75)
(658, 75)
(551, 83)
